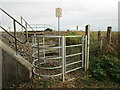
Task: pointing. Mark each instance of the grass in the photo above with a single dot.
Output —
(46, 83)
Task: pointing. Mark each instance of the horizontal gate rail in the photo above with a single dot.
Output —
(73, 70)
(73, 63)
(51, 36)
(74, 45)
(73, 55)
(47, 47)
(75, 36)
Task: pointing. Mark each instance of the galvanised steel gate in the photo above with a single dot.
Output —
(53, 55)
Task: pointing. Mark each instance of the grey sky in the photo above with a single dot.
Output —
(98, 13)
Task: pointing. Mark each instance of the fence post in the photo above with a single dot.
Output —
(77, 28)
(100, 39)
(87, 33)
(109, 29)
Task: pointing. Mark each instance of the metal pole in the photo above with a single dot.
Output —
(44, 48)
(59, 24)
(15, 36)
(26, 30)
(39, 55)
(59, 34)
(83, 38)
(21, 23)
(16, 50)
(64, 54)
(33, 46)
(86, 53)
(63, 58)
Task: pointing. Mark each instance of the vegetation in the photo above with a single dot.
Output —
(72, 40)
(104, 67)
(46, 83)
(105, 63)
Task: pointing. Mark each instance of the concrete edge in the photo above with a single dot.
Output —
(19, 58)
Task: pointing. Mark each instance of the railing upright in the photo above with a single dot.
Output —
(83, 50)
(15, 36)
(85, 65)
(63, 58)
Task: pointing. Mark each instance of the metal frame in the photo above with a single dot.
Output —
(15, 31)
(62, 55)
(41, 27)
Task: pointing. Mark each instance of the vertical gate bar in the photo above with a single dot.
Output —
(15, 36)
(33, 51)
(26, 30)
(35, 38)
(85, 52)
(59, 37)
(63, 58)
(83, 38)
(15, 50)
(59, 48)
(21, 23)
(64, 54)
(39, 55)
(44, 48)
(33, 46)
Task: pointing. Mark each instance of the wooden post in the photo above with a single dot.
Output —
(109, 29)
(100, 39)
(77, 28)
(87, 32)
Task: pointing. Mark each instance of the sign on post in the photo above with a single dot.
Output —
(58, 12)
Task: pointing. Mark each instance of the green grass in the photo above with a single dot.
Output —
(46, 83)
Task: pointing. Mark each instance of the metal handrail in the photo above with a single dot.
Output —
(14, 20)
(13, 36)
(27, 23)
(45, 26)
(15, 32)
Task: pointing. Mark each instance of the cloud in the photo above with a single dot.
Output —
(98, 13)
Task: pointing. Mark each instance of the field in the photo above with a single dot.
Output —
(104, 70)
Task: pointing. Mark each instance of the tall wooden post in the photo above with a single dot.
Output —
(77, 28)
(100, 39)
(87, 32)
(109, 29)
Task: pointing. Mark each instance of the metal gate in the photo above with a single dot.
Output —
(54, 56)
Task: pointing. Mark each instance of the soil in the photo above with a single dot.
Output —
(77, 79)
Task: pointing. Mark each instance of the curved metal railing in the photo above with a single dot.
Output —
(40, 58)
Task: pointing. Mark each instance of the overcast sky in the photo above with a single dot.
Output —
(98, 13)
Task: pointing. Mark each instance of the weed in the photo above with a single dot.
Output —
(72, 40)
(46, 83)
(105, 66)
